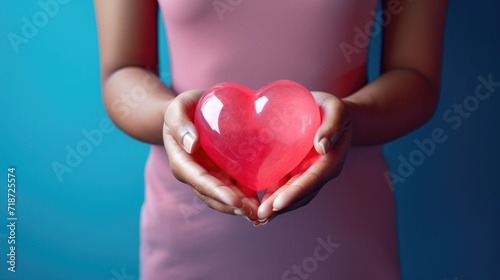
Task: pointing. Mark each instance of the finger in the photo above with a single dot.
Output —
(301, 203)
(309, 160)
(265, 210)
(325, 168)
(248, 197)
(249, 209)
(334, 120)
(178, 119)
(275, 188)
(224, 208)
(201, 157)
(248, 193)
(188, 171)
(302, 186)
(251, 199)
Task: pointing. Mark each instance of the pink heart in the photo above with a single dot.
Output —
(257, 137)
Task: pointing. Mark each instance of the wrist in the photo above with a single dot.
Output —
(351, 108)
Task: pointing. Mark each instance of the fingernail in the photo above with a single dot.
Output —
(260, 222)
(239, 212)
(248, 219)
(276, 209)
(243, 211)
(187, 142)
(325, 145)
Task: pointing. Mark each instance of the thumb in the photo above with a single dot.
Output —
(178, 120)
(334, 119)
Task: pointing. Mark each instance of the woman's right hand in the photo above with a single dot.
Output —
(190, 164)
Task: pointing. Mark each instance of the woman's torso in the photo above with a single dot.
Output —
(348, 231)
(255, 42)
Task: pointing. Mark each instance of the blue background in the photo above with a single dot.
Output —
(85, 226)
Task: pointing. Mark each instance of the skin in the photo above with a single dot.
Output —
(401, 99)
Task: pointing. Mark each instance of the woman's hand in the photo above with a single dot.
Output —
(191, 165)
(324, 162)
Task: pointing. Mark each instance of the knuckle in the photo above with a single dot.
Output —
(313, 176)
(338, 105)
(330, 100)
(167, 128)
(214, 206)
(204, 199)
(334, 128)
(174, 126)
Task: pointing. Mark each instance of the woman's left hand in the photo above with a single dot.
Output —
(325, 161)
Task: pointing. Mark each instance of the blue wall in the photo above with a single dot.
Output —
(82, 221)
(449, 207)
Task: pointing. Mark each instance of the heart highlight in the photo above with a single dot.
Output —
(257, 137)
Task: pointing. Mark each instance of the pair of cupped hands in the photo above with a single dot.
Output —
(190, 165)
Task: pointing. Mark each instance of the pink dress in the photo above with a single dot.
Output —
(349, 230)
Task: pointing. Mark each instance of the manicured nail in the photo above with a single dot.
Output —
(239, 212)
(276, 209)
(248, 219)
(187, 142)
(325, 145)
(243, 211)
(260, 222)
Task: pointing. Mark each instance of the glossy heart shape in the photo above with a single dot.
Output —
(257, 137)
